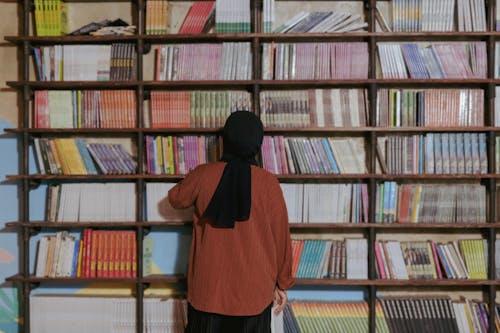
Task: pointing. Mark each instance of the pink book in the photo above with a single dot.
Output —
(380, 262)
(436, 260)
(42, 109)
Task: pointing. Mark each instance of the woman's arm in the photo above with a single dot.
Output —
(184, 194)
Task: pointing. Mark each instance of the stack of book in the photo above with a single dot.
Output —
(115, 62)
(91, 202)
(174, 155)
(462, 259)
(51, 17)
(309, 155)
(430, 203)
(452, 60)
(199, 19)
(322, 22)
(76, 157)
(98, 253)
(326, 203)
(435, 153)
(85, 109)
(315, 61)
(158, 208)
(196, 109)
(429, 15)
(310, 316)
(226, 61)
(335, 259)
(430, 107)
(435, 313)
(315, 108)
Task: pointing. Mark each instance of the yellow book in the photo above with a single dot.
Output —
(71, 159)
(63, 18)
(38, 17)
(159, 155)
(481, 262)
(416, 203)
(80, 255)
(170, 155)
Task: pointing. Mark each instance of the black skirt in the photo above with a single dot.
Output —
(206, 322)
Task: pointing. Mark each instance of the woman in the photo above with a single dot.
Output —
(240, 261)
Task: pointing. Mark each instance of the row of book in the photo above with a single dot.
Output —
(115, 62)
(436, 60)
(58, 313)
(179, 154)
(430, 203)
(70, 156)
(323, 203)
(310, 155)
(320, 22)
(428, 15)
(307, 203)
(409, 260)
(96, 254)
(315, 61)
(196, 109)
(225, 61)
(430, 107)
(91, 202)
(435, 153)
(113, 314)
(51, 17)
(334, 259)
(435, 314)
(85, 109)
(314, 107)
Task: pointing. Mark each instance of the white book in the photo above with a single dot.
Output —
(396, 260)
(41, 260)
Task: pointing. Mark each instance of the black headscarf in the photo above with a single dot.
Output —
(242, 138)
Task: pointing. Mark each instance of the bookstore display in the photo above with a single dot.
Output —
(382, 123)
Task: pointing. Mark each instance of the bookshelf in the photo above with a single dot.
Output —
(143, 84)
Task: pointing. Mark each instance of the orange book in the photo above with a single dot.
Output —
(93, 253)
(133, 246)
(297, 246)
(128, 254)
(123, 254)
(100, 254)
(86, 252)
(113, 267)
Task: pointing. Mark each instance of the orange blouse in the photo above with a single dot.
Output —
(234, 271)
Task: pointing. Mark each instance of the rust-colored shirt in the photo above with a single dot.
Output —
(234, 271)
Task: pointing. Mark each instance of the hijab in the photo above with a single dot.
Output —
(242, 139)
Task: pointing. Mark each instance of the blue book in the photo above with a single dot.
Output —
(303, 261)
(445, 152)
(74, 100)
(421, 155)
(74, 267)
(453, 153)
(468, 153)
(387, 204)
(438, 154)
(87, 159)
(331, 158)
(444, 263)
(429, 153)
(476, 167)
(460, 153)
(392, 201)
(414, 61)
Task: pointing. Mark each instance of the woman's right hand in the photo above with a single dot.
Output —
(280, 299)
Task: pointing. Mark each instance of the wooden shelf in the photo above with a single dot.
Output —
(43, 40)
(57, 85)
(33, 279)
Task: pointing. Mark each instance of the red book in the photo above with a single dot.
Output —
(42, 109)
(83, 263)
(436, 260)
(100, 255)
(88, 245)
(127, 250)
(112, 254)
